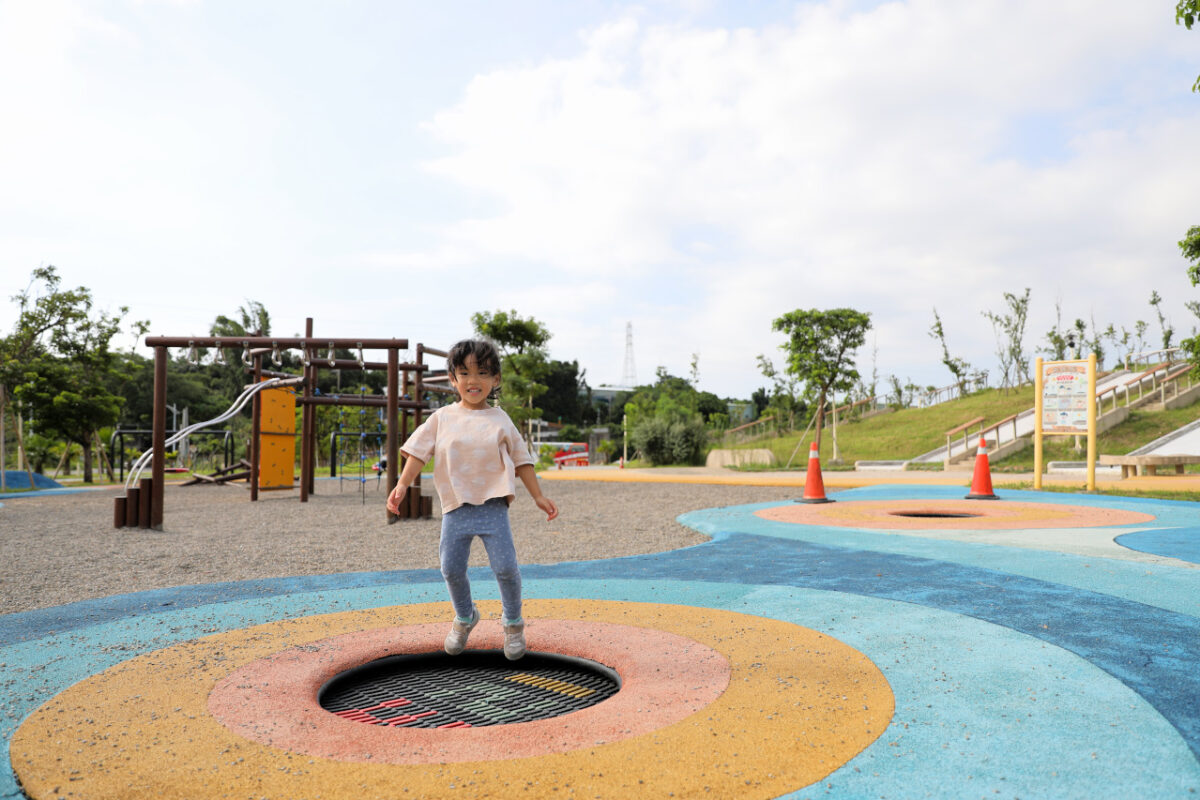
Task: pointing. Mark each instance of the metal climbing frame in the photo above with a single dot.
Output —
(151, 505)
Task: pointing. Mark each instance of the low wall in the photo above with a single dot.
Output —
(739, 458)
(1184, 398)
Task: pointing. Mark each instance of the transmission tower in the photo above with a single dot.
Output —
(629, 374)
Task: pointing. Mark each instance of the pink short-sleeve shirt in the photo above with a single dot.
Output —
(475, 452)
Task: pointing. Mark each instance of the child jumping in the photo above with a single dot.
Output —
(477, 453)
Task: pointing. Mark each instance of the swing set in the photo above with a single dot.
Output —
(274, 396)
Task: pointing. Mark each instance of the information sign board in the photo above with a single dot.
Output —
(1064, 395)
(1065, 398)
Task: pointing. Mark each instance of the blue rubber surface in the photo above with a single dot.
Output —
(19, 479)
(1016, 672)
(1181, 543)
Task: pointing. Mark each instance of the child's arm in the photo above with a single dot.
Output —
(528, 476)
(412, 468)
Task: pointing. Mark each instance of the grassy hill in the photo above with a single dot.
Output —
(909, 432)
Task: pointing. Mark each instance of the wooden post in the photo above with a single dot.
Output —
(22, 457)
(119, 512)
(310, 383)
(255, 430)
(418, 395)
(393, 407)
(306, 413)
(145, 495)
(132, 506)
(3, 450)
(1038, 410)
(159, 436)
(1091, 423)
(403, 418)
(62, 460)
(105, 461)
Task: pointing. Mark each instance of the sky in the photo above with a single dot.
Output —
(695, 168)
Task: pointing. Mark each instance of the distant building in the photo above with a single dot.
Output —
(740, 412)
(606, 393)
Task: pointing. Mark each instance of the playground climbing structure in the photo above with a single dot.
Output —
(272, 441)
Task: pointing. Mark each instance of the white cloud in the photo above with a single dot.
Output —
(696, 180)
(859, 158)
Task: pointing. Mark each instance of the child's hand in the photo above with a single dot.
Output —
(395, 496)
(547, 505)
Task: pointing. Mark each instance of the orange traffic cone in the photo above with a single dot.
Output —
(814, 487)
(981, 481)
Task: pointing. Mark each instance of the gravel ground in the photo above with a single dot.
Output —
(60, 549)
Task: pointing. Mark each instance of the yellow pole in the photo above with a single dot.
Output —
(1038, 407)
(1091, 423)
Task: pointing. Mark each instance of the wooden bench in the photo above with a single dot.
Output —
(1148, 465)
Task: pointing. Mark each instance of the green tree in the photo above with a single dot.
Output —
(1187, 12)
(1119, 344)
(252, 320)
(65, 379)
(1010, 339)
(661, 441)
(1139, 331)
(1056, 337)
(820, 348)
(565, 386)
(40, 311)
(1077, 339)
(68, 397)
(785, 402)
(1168, 331)
(711, 407)
(760, 399)
(1189, 246)
(957, 366)
(669, 398)
(229, 371)
(524, 363)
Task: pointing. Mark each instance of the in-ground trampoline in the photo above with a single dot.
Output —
(882, 645)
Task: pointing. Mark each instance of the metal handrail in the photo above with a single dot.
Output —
(964, 427)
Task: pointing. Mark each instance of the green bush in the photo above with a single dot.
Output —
(662, 442)
(571, 433)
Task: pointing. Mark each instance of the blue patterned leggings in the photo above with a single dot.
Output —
(490, 523)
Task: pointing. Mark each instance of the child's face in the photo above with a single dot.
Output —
(473, 384)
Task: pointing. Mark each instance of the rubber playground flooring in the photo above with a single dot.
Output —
(1046, 646)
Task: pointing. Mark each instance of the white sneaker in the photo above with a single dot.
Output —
(514, 641)
(456, 640)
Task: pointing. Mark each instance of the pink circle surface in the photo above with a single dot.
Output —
(664, 678)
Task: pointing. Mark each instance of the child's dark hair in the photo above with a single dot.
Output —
(487, 357)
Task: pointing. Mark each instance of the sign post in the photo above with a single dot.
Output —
(1065, 405)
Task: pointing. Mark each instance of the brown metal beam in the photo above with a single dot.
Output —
(158, 462)
(273, 342)
(369, 400)
(351, 364)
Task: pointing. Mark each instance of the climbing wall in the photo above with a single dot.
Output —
(277, 440)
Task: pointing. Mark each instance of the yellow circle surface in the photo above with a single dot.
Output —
(798, 705)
